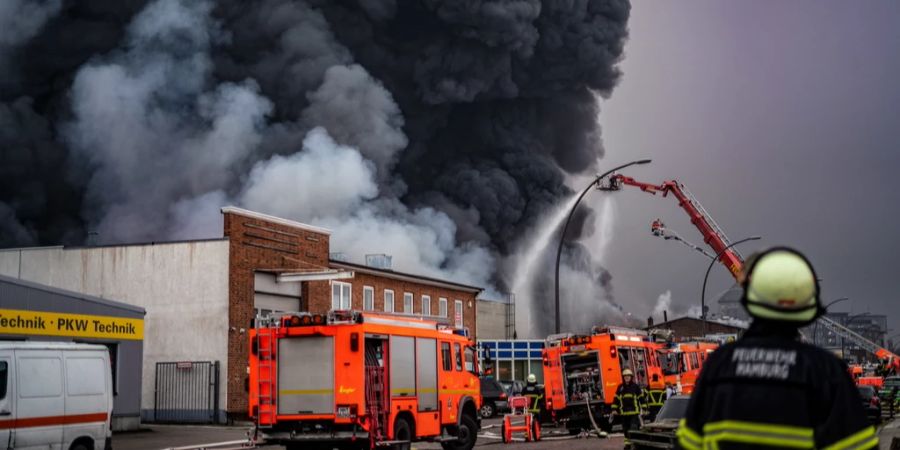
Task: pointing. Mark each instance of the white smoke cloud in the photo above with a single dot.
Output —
(663, 303)
(333, 186)
(323, 180)
(168, 147)
(358, 111)
(153, 131)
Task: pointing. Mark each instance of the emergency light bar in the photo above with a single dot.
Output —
(302, 320)
(577, 340)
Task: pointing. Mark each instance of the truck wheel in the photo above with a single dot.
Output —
(467, 434)
(402, 432)
(488, 410)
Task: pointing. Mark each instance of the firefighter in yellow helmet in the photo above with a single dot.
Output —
(629, 403)
(768, 389)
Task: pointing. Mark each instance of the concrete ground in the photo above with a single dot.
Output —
(154, 437)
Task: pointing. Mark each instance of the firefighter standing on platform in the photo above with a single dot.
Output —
(655, 396)
(629, 403)
(768, 389)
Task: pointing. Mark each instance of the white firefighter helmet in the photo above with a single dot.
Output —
(780, 284)
(627, 373)
(532, 378)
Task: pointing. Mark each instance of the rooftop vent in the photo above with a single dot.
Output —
(339, 257)
(379, 261)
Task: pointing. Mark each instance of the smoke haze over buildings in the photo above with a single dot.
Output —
(441, 133)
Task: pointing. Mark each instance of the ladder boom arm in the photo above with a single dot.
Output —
(712, 234)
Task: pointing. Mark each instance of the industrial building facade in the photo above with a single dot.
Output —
(201, 296)
(30, 311)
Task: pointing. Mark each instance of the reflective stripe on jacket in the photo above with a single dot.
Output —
(655, 397)
(769, 390)
(629, 399)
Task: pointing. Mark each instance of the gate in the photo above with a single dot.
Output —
(186, 392)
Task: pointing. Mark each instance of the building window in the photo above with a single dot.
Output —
(426, 305)
(442, 307)
(388, 300)
(368, 298)
(458, 313)
(407, 303)
(340, 296)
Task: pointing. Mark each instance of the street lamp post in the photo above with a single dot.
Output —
(816, 326)
(706, 277)
(562, 236)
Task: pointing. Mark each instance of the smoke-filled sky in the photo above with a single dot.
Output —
(446, 133)
(438, 132)
(783, 118)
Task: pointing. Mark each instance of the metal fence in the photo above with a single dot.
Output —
(186, 392)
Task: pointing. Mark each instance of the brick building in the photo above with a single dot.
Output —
(692, 327)
(202, 295)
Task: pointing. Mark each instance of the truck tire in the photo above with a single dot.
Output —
(467, 435)
(402, 432)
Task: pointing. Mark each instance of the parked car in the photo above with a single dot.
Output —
(871, 403)
(494, 398)
(661, 432)
(55, 395)
(513, 387)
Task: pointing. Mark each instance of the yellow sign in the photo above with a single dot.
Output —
(42, 323)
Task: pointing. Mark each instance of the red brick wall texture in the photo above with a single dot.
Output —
(257, 244)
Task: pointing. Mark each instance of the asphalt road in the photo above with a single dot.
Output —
(154, 437)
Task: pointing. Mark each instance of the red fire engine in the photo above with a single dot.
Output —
(361, 380)
(581, 373)
(681, 363)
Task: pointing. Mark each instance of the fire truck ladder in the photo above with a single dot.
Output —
(265, 376)
(376, 394)
(850, 335)
(712, 223)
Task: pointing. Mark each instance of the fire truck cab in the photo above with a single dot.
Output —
(681, 363)
(362, 380)
(582, 373)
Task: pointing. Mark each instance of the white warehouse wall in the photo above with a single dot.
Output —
(182, 285)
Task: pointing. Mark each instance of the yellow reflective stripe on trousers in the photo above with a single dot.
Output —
(862, 439)
(687, 437)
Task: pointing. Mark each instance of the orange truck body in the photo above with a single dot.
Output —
(582, 372)
(351, 378)
(682, 363)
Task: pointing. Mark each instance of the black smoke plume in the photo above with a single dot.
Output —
(458, 121)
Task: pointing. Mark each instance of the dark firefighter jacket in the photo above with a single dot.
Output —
(768, 390)
(629, 399)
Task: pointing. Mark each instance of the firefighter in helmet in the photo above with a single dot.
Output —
(768, 388)
(629, 403)
(534, 393)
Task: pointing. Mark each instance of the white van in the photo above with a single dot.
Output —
(55, 395)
